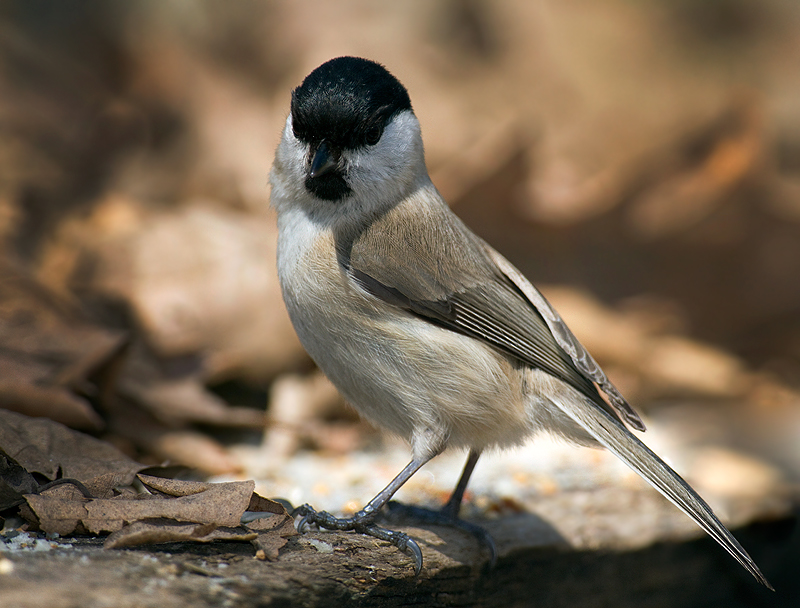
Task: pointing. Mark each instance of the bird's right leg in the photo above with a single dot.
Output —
(363, 521)
(448, 514)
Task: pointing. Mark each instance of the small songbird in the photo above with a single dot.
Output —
(422, 326)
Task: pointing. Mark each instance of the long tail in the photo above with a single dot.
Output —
(621, 442)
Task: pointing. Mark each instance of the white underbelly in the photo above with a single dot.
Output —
(396, 369)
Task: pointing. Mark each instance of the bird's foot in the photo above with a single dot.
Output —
(363, 523)
(442, 517)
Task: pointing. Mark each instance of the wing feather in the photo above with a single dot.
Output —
(482, 295)
(477, 293)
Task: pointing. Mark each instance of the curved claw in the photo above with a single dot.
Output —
(482, 536)
(306, 511)
(410, 547)
(308, 515)
(488, 542)
(444, 517)
(492, 556)
(401, 540)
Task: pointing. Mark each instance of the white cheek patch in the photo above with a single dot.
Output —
(297, 152)
(386, 170)
(288, 172)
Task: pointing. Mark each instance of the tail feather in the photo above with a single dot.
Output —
(621, 442)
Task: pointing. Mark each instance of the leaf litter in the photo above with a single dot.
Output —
(62, 482)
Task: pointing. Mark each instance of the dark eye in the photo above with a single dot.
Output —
(374, 134)
(297, 130)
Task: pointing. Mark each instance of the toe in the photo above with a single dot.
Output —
(410, 547)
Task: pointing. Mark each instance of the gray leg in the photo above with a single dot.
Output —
(453, 505)
(363, 520)
(448, 514)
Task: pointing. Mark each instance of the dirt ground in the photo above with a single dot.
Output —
(338, 569)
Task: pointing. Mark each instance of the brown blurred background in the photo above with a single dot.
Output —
(638, 160)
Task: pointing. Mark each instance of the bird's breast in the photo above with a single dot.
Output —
(397, 369)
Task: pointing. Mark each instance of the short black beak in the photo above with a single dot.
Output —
(322, 162)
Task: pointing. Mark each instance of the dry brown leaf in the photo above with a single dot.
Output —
(194, 277)
(273, 533)
(173, 487)
(267, 534)
(15, 481)
(50, 355)
(273, 530)
(52, 402)
(182, 512)
(153, 531)
(259, 504)
(219, 503)
(51, 449)
(187, 400)
(61, 510)
(268, 545)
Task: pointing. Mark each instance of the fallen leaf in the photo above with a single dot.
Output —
(49, 448)
(51, 357)
(265, 505)
(60, 510)
(273, 533)
(153, 531)
(268, 532)
(15, 481)
(187, 400)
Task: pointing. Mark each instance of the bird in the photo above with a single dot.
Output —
(421, 325)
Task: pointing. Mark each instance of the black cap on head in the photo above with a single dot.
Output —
(347, 102)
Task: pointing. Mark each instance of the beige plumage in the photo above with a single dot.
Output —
(420, 324)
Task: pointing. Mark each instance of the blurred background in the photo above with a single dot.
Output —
(638, 160)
